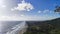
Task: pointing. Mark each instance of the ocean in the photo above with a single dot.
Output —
(12, 27)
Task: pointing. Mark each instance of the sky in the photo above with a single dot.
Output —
(28, 9)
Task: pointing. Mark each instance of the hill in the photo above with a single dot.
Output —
(43, 27)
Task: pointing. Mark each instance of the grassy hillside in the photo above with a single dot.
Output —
(43, 27)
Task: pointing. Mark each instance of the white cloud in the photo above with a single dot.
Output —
(22, 15)
(45, 11)
(39, 11)
(23, 6)
(25, 18)
(8, 18)
(2, 4)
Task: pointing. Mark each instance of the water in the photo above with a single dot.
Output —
(12, 27)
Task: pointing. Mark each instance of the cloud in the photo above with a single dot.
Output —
(46, 11)
(10, 18)
(39, 11)
(2, 4)
(22, 15)
(23, 6)
(26, 18)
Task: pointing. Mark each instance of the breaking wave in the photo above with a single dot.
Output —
(19, 28)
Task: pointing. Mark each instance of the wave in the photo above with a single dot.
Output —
(19, 28)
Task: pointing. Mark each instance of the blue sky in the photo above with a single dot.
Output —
(28, 9)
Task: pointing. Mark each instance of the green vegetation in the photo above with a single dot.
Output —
(42, 29)
(46, 27)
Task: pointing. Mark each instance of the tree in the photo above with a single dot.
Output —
(57, 9)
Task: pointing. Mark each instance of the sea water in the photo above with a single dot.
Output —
(12, 27)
